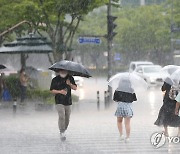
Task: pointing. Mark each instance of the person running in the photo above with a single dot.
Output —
(124, 108)
(167, 116)
(61, 86)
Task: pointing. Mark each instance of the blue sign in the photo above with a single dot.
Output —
(89, 40)
(117, 56)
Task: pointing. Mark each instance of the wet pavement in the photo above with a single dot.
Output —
(90, 131)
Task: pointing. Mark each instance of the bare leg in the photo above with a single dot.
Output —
(119, 124)
(179, 132)
(166, 131)
(127, 126)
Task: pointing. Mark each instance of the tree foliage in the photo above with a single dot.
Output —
(141, 30)
(58, 18)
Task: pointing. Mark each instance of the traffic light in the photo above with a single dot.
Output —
(111, 27)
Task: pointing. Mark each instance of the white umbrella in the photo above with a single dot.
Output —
(170, 68)
(176, 78)
(127, 82)
(169, 81)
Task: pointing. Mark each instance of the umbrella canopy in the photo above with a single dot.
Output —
(29, 44)
(2, 66)
(169, 81)
(127, 82)
(74, 68)
(170, 68)
(176, 78)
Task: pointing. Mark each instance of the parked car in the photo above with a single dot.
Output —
(152, 74)
(79, 80)
(134, 64)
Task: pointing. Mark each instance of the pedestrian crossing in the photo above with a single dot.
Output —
(90, 132)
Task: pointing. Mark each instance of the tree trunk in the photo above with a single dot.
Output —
(23, 60)
(57, 56)
(69, 56)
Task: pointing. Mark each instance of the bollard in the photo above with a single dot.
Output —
(105, 99)
(14, 106)
(98, 100)
(108, 97)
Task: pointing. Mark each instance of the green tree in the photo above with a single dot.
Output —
(58, 18)
(141, 31)
(146, 32)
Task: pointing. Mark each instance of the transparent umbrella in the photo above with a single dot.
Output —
(170, 68)
(169, 81)
(127, 82)
(176, 77)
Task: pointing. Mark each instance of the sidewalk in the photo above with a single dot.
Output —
(90, 132)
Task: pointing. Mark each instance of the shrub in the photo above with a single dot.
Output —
(45, 96)
(13, 85)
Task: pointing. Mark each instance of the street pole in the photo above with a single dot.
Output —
(109, 45)
(109, 57)
(172, 24)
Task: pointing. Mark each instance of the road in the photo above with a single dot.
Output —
(90, 131)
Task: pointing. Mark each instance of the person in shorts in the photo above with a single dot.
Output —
(124, 108)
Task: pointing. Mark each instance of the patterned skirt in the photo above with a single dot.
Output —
(124, 110)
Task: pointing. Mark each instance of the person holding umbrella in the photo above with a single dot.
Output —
(61, 86)
(124, 108)
(127, 86)
(167, 116)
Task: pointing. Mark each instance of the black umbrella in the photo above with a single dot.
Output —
(74, 68)
(2, 66)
